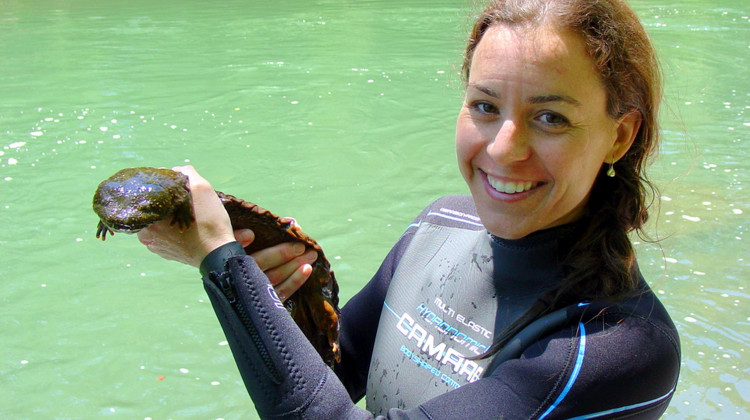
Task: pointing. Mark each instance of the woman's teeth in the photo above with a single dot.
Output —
(511, 187)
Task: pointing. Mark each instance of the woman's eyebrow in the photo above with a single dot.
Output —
(553, 98)
(484, 89)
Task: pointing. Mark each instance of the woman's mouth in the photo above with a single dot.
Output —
(510, 187)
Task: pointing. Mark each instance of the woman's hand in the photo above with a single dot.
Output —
(211, 229)
(287, 265)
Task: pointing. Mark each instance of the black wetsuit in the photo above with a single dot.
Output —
(439, 297)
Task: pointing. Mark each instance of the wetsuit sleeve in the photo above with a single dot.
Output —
(284, 375)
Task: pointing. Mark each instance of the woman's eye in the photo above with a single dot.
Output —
(553, 119)
(484, 107)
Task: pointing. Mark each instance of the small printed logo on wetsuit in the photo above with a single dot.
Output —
(275, 297)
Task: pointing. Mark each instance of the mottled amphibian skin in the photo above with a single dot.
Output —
(134, 198)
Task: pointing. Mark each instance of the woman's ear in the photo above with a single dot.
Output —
(627, 129)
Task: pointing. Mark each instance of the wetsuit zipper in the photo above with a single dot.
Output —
(225, 284)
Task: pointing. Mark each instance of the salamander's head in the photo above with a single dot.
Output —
(135, 198)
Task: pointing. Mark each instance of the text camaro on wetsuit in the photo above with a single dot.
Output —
(438, 313)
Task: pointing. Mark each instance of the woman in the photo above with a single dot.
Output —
(521, 301)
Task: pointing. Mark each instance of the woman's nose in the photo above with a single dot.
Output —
(510, 143)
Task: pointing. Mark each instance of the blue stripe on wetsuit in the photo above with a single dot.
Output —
(625, 408)
(574, 374)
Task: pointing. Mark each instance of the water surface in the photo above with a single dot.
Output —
(340, 114)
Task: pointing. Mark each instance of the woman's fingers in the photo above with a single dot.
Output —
(292, 220)
(277, 255)
(244, 236)
(281, 273)
(287, 266)
(164, 240)
(286, 288)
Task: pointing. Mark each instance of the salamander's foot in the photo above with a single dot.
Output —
(102, 229)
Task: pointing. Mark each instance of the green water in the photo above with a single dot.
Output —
(339, 113)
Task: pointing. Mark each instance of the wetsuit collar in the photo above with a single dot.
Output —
(533, 263)
(525, 268)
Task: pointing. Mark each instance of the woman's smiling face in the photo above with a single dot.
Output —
(533, 132)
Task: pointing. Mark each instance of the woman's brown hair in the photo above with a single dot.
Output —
(601, 265)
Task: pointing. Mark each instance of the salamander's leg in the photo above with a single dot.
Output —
(102, 229)
(183, 216)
